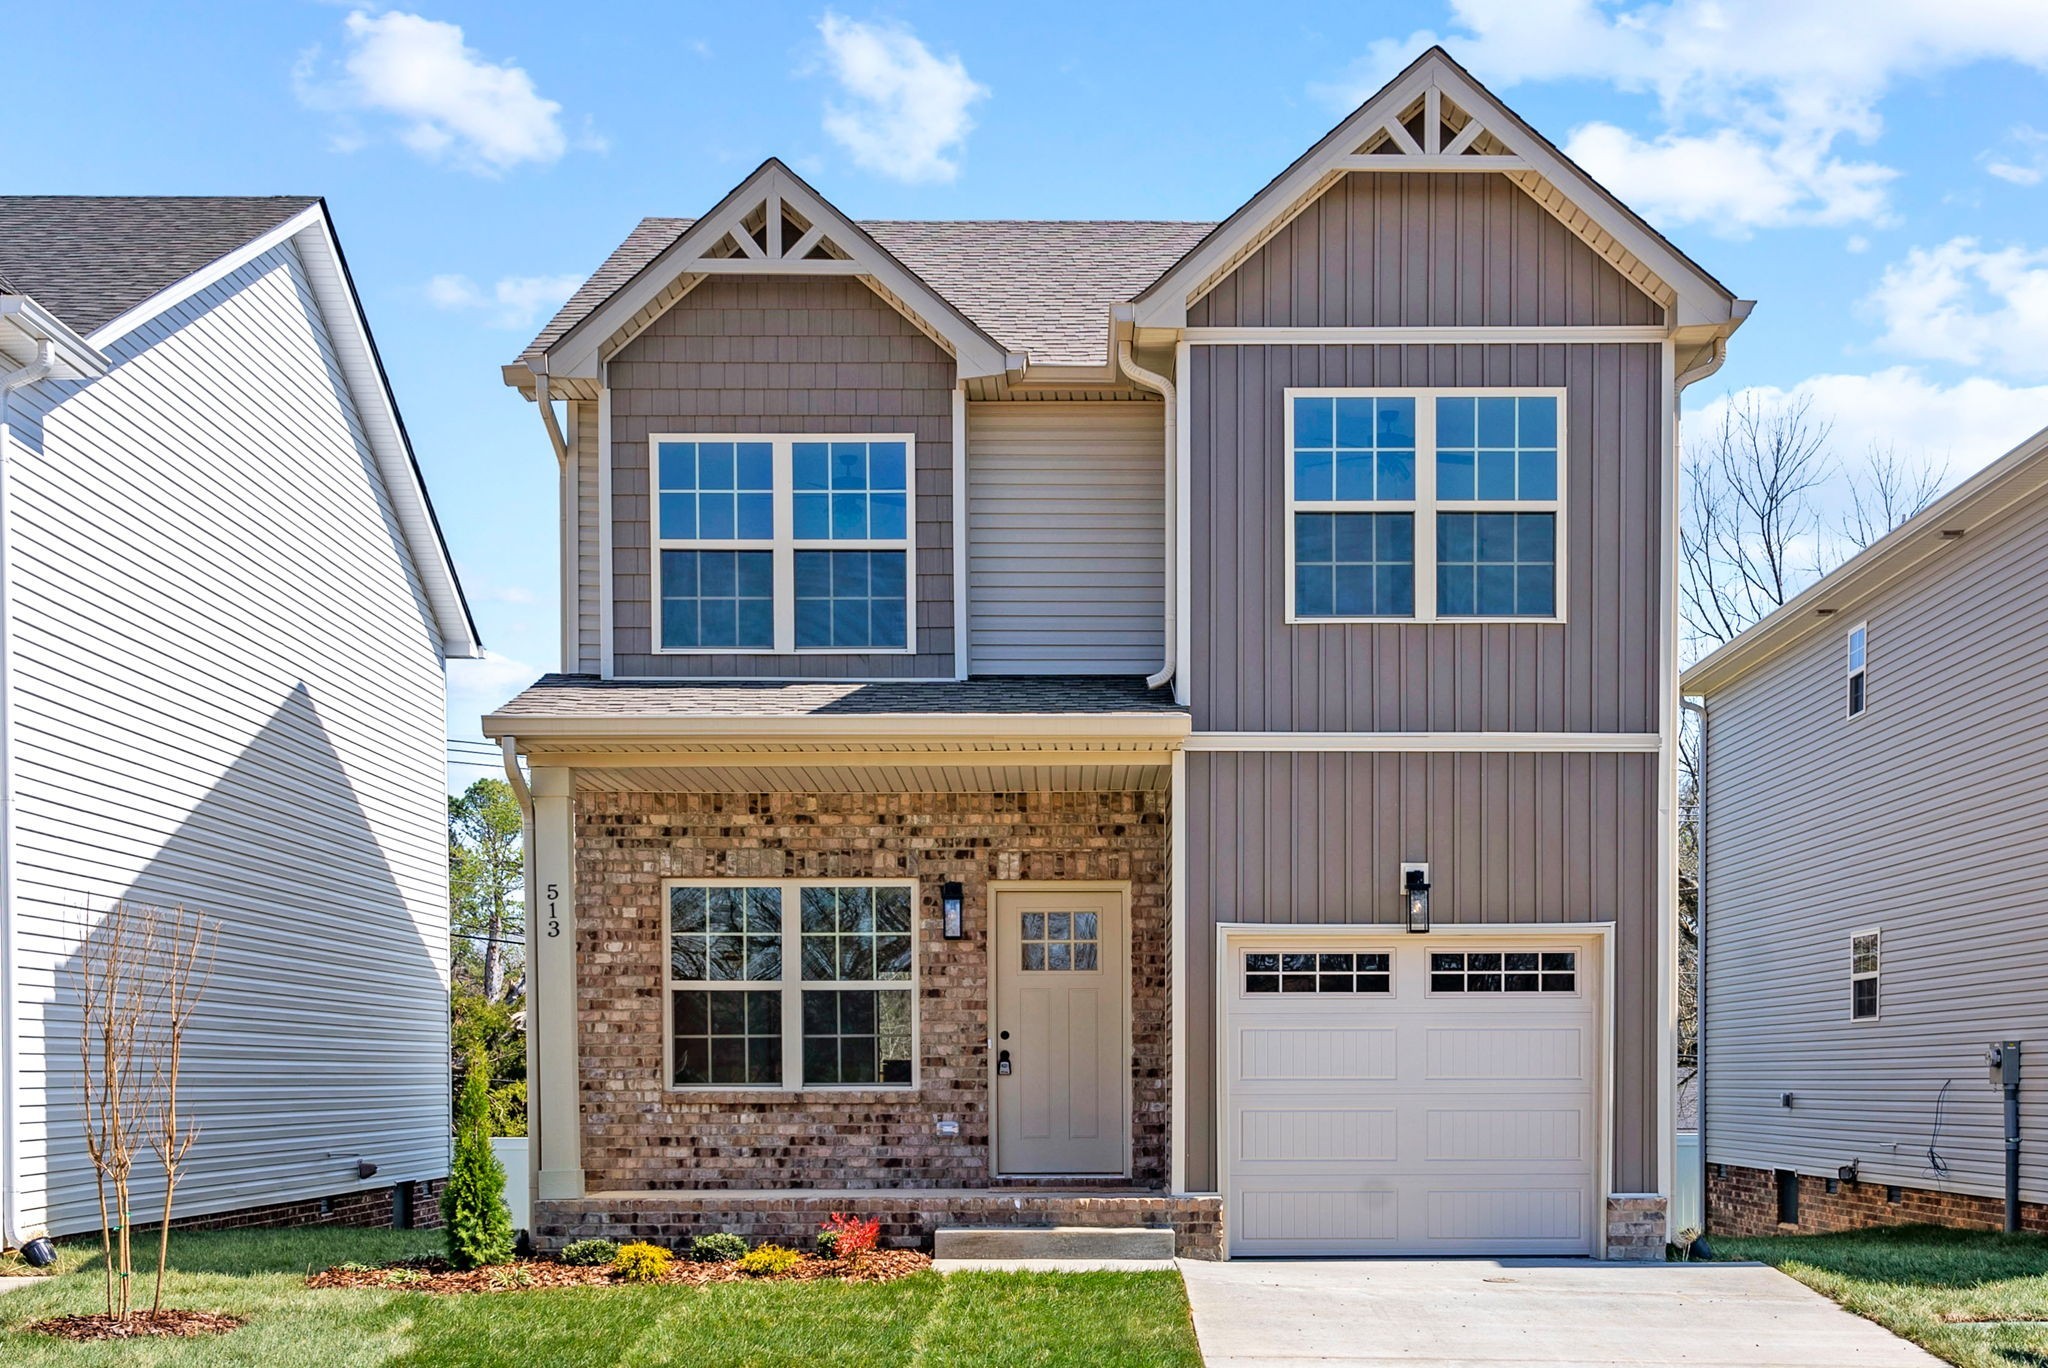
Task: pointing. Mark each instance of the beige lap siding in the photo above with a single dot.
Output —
(638, 1134)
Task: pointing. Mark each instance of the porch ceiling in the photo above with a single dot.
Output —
(989, 774)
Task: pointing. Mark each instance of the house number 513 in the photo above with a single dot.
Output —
(554, 913)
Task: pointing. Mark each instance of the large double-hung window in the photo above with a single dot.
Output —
(1424, 505)
(782, 543)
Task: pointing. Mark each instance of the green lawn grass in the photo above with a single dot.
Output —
(1917, 1280)
(1117, 1320)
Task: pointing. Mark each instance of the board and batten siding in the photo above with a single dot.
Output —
(1597, 671)
(778, 354)
(1405, 249)
(1927, 819)
(229, 696)
(1510, 838)
(587, 632)
(1066, 538)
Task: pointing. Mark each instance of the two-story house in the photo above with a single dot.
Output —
(225, 616)
(1874, 812)
(1122, 722)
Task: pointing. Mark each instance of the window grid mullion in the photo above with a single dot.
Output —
(792, 985)
(782, 465)
(1425, 510)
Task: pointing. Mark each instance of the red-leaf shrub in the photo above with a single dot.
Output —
(851, 1236)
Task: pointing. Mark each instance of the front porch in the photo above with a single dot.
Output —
(909, 1216)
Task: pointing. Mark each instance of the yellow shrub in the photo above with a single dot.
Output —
(770, 1259)
(642, 1262)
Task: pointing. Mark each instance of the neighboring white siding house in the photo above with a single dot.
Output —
(1897, 795)
(228, 616)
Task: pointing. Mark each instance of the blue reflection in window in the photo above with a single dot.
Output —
(714, 491)
(850, 491)
(717, 600)
(1496, 448)
(1496, 565)
(1353, 448)
(1354, 565)
(851, 600)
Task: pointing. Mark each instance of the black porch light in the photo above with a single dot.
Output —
(1415, 890)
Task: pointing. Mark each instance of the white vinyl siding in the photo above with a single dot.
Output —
(1926, 818)
(1066, 533)
(229, 696)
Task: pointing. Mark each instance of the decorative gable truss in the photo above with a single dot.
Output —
(1434, 117)
(772, 224)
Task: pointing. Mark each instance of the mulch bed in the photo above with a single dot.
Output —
(136, 1325)
(434, 1275)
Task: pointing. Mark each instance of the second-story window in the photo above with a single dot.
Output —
(1859, 646)
(1424, 505)
(782, 543)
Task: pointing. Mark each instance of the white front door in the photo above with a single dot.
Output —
(1411, 1094)
(1060, 1053)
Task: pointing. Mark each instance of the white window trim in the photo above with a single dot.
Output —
(1852, 669)
(1425, 505)
(1874, 975)
(791, 985)
(784, 544)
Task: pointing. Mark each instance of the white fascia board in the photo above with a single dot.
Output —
(2020, 474)
(818, 729)
(73, 358)
(576, 352)
(334, 292)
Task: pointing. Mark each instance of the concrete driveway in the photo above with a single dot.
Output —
(1518, 1313)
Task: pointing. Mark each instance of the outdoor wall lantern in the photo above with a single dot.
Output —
(1415, 891)
(951, 899)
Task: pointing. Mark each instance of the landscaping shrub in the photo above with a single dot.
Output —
(848, 1237)
(770, 1259)
(721, 1246)
(590, 1253)
(473, 1203)
(642, 1262)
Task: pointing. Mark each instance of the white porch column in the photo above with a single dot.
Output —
(551, 936)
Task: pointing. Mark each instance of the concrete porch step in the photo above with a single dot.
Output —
(1092, 1243)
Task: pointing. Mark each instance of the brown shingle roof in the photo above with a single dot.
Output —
(88, 259)
(559, 695)
(1042, 287)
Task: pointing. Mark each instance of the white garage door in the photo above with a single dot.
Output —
(1421, 1095)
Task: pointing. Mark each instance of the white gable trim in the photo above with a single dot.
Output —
(1523, 157)
(696, 254)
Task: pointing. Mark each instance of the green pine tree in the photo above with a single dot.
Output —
(473, 1203)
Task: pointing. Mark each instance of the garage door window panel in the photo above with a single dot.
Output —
(1503, 971)
(1317, 971)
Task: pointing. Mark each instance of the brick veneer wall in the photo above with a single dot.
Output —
(1635, 1228)
(637, 1135)
(908, 1217)
(371, 1207)
(1744, 1201)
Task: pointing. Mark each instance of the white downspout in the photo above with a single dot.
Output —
(1158, 383)
(10, 1140)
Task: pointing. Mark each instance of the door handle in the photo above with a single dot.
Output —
(1003, 1064)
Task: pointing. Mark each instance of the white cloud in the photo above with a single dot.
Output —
(1961, 427)
(449, 102)
(905, 111)
(1757, 87)
(2022, 159)
(1965, 303)
(476, 687)
(512, 302)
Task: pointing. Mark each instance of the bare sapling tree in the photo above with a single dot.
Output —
(141, 972)
(185, 968)
(1891, 490)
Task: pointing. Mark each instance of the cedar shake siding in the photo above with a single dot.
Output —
(780, 354)
(1521, 839)
(1597, 671)
(638, 1135)
(1406, 249)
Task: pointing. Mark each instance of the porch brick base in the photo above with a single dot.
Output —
(1635, 1228)
(908, 1216)
(1744, 1201)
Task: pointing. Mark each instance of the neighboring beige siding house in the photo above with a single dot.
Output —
(227, 609)
(1876, 796)
(1013, 669)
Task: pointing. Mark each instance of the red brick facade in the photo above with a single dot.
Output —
(640, 1136)
(1744, 1201)
(371, 1208)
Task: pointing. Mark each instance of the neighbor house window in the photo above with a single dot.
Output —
(1424, 505)
(782, 543)
(1863, 975)
(791, 984)
(1859, 646)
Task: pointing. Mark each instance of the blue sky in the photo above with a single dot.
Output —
(1873, 172)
